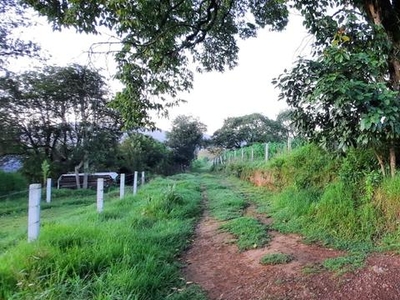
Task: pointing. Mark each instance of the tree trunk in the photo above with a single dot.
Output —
(85, 170)
(381, 163)
(77, 179)
(392, 156)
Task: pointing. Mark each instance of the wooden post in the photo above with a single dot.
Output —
(100, 194)
(135, 183)
(142, 179)
(266, 151)
(122, 186)
(48, 190)
(35, 191)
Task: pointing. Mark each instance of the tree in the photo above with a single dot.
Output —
(140, 152)
(158, 38)
(247, 130)
(348, 93)
(12, 17)
(60, 114)
(185, 138)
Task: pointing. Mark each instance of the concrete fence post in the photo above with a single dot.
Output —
(48, 190)
(100, 194)
(252, 153)
(242, 153)
(122, 186)
(135, 182)
(266, 152)
(142, 179)
(35, 192)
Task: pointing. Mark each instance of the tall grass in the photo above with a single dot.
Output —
(127, 252)
(338, 200)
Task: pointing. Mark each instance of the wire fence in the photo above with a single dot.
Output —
(256, 152)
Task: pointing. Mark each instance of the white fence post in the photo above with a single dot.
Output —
(100, 194)
(143, 179)
(35, 192)
(48, 190)
(135, 183)
(122, 186)
(242, 153)
(252, 153)
(266, 151)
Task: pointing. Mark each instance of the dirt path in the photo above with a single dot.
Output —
(215, 263)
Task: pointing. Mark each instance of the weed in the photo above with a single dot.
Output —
(276, 259)
(250, 233)
(343, 264)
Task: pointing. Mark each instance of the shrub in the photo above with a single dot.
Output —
(12, 182)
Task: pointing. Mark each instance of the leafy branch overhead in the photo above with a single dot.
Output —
(159, 38)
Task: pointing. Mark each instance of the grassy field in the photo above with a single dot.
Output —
(130, 251)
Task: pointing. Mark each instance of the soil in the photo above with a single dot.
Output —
(215, 263)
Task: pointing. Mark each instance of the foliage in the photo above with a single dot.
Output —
(13, 16)
(12, 182)
(347, 94)
(59, 114)
(142, 152)
(119, 254)
(247, 130)
(185, 138)
(156, 40)
(276, 259)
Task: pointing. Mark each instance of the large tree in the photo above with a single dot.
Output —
(347, 94)
(185, 139)
(59, 114)
(156, 40)
(248, 129)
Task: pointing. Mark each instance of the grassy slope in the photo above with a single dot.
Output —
(127, 252)
(342, 202)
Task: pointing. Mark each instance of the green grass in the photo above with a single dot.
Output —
(224, 202)
(344, 264)
(127, 252)
(250, 232)
(276, 259)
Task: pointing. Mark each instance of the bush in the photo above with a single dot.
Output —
(12, 182)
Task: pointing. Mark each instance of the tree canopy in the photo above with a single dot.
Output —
(58, 114)
(347, 94)
(156, 40)
(248, 129)
(12, 17)
(185, 138)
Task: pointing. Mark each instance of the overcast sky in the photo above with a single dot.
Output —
(246, 89)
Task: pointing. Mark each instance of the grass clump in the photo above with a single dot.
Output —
(276, 259)
(250, 232)
(344, 264)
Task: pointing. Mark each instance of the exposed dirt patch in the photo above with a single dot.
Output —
(263, 178)
(215, 263)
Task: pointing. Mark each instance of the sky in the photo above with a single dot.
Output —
(216, 96)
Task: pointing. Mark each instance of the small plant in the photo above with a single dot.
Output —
(45, 170)
(343, 264)
(250, 233)
(276, 259)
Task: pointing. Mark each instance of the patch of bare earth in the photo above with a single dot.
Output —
(214, 262)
